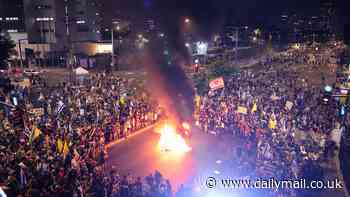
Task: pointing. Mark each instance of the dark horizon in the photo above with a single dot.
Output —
(209, 12)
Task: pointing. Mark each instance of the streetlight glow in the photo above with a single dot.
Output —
(187, 20)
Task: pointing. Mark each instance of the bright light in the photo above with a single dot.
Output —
(186, 126)
(104, 48)
(328, 88)
(118, 27)
(171, 141)
(80, 22)
(187, 20)
(202, 48)
(187, 44)
(216, 172)
(161, 35)
(257, 32)
(198, 123)
(196, 61)
(140, 36)
(343, 91)
(296, 46)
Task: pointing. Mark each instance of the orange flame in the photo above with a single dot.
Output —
(171, 141)
(186, 126)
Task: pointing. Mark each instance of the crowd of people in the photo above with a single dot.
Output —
(53, 137)
(289, 130)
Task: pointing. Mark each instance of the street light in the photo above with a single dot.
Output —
(112, 38)
(187, 20)
(20, 50)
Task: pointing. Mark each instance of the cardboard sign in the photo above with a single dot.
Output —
(242, 110)
(217, 83)
(289, 105)
(38, 111)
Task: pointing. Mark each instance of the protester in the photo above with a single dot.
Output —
(53, 138)
(281, 117)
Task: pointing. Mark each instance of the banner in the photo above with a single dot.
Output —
(254, 107)
(242, 110)
(289, 105)
(38, 111)
(217, 83)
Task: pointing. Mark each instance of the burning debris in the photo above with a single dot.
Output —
(170, 140)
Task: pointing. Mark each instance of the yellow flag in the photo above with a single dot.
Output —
(197, 100)
(36, 133)
(272, 123)
(255, 107)
(122, 100)
(65, 148)
(59, 145)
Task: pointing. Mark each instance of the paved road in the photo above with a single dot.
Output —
(140, 155)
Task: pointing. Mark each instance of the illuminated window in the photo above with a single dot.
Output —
(104, 48)
(44, 19)
(12, 18)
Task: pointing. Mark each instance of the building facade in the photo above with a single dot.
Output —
(62, 21)
(12, 16)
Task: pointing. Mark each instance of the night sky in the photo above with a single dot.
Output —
(209, 12)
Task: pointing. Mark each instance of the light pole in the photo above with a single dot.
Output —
(236, 54)
(112, 34)
(20, 51)
(112, 38)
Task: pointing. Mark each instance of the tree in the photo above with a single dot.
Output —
(6, 47)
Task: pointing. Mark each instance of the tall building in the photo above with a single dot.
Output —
(42, 22)
(150, 26)
(86, 20)
(328, 15)
(12, 16)
(62, 21)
